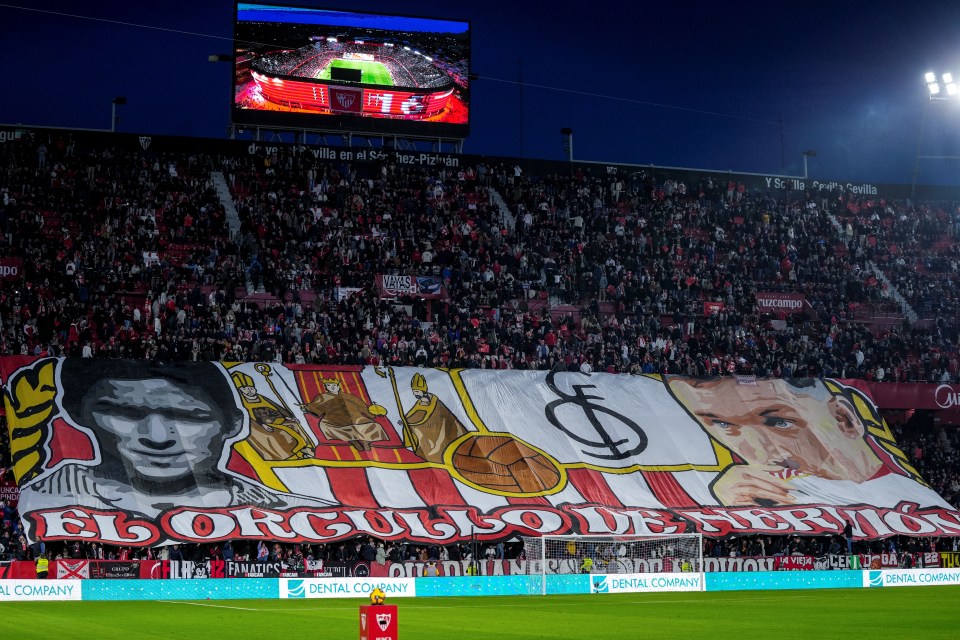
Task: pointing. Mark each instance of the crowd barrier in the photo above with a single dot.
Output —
(399, 588)
(185, 569)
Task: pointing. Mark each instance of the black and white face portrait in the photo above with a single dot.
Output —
(161, 431)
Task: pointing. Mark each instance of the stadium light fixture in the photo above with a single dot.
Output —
(114, 118)
(943, 87)
(567, 134)
(219, 57)
(809, 153)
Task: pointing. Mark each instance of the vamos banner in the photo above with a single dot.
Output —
(139, 454)
(768, 302)
(428, 287)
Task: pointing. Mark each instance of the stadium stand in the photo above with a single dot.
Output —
(129, 254)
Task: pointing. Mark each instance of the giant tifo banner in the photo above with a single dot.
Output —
(137, 453)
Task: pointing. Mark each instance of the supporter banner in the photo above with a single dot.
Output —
(895, 560)
(9, 492)
(18, 570)
(189, 570)
(235, 569)
(782, 302)
(357, 569)
(420, 286)
(950, 560)
(115, 569)
(154, 569)
(11, 268)
(837, 562)
(717, 565)
(555, 566)
(795, 563)
(70, 569)
(342, 293)
(21, 590)
(320, 454)
(712, 308)
(193, 570)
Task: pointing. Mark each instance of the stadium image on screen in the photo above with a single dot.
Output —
(336, 69)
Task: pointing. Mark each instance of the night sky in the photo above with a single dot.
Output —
(687, 84)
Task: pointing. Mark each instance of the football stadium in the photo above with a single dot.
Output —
(333, 78)
(419, 73)
(267, 386)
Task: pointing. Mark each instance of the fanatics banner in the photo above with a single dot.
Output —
(136, 453)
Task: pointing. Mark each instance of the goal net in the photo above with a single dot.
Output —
(552, 561)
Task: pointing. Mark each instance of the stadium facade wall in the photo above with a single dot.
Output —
(774, 184)
(273, 588)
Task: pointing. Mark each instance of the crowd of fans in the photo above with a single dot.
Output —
(128, 254)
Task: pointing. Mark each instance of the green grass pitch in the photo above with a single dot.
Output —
(370, 72)
(927, 613)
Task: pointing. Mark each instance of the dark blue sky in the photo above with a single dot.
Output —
(248, 11)
(693, 83)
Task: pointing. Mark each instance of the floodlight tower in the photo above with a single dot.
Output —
(114, 118)
(809, 153)
(941, 89)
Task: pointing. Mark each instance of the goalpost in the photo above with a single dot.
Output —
(624, 556)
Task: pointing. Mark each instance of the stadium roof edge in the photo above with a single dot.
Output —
(7, 125)
(698, 169)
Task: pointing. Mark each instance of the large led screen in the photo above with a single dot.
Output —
(331, 69)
